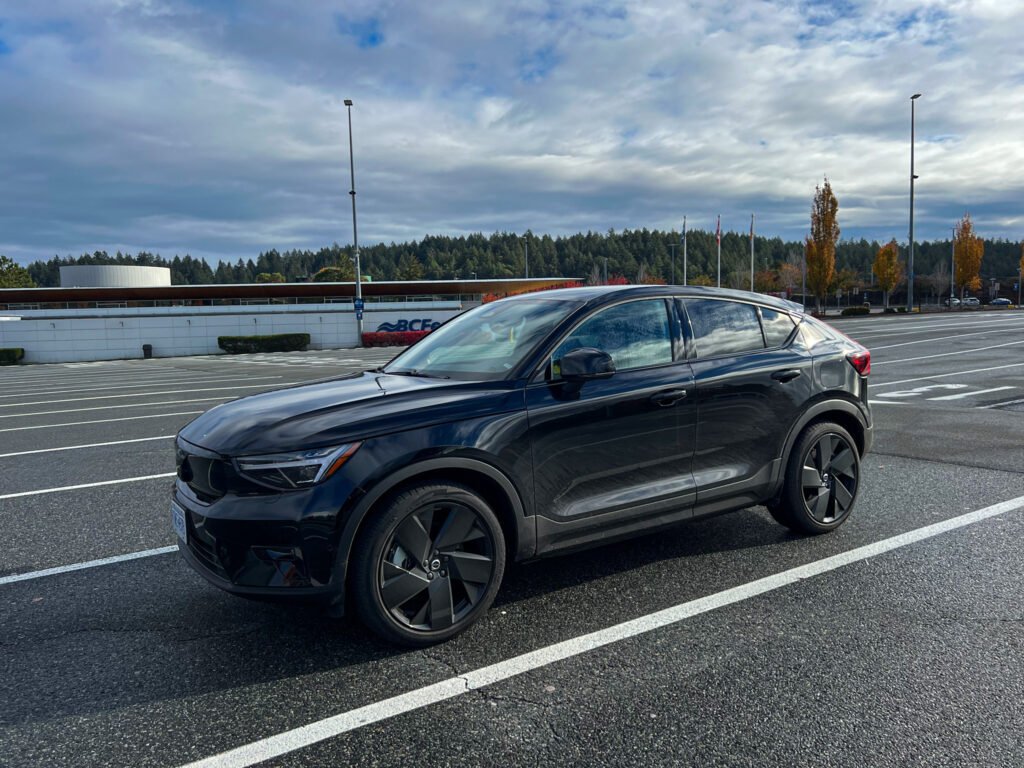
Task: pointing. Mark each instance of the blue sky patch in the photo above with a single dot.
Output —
(366, 32)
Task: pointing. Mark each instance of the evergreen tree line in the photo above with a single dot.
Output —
(639, 255)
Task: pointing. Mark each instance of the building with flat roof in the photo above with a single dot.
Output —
(113, 276)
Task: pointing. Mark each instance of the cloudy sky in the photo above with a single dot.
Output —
(218, 129)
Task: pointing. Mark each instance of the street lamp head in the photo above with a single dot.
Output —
(348, 102)
(915, 96)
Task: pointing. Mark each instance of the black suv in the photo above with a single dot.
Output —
(529, 426)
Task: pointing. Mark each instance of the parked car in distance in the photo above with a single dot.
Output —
(972, 301)
(952, 302)
(1001, 302)
(530, 426)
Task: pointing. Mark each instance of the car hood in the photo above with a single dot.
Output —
(340, 410)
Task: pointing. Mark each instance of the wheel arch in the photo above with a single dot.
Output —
(843, 412)
(490, 482)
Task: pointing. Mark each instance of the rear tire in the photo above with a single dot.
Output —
(428, 565)
(821, 482)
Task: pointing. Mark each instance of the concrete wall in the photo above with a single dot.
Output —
(114, 334)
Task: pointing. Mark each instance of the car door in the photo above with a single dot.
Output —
(751, 383)
(614, 452)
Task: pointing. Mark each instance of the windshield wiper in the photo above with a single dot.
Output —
(415, 372)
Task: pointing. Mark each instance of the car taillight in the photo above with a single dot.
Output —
(861, 361)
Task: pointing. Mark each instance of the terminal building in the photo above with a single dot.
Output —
(77, 323)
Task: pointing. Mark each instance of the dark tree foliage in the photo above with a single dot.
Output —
(439, 257)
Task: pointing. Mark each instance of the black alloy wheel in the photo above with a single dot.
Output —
(429, 565)
(822, 479)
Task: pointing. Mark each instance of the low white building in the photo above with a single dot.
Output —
(113, 276)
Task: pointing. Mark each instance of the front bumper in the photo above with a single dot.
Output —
(261, 546)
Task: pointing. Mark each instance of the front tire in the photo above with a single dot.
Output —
(822, 480)
(428, 565)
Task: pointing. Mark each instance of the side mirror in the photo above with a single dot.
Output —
(585, 364)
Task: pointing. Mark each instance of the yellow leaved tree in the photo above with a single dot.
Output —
(968, 251)
(820, 246)
(887, 268)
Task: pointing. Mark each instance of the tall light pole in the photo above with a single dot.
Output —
(684, 250)
(910, 258)
(952, 268)
(751, 253)
(672, 250)
(355, 232)
(526, 258)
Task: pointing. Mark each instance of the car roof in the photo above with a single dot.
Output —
(599, 294)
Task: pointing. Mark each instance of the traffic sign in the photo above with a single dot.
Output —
(359, 305)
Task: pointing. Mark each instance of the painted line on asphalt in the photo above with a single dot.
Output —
(999, 405)
(155, 383)
(889, 402)
(83, 566)
(114, 407)
(101, 421)
(88, 445)
(132, 394)
(946, 354)
(58, 489)
(946, 375)
(925, 327)
(962, 395)
(940, 338)
(331, 727)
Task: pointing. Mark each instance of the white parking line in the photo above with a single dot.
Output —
(82, 566)
(133, 394)
(946, 375)
(304, 736)
(1000, 405)
(962, 395)
(58, 489)
(155, 383)
(946, 354)
(89, 445)
(940, 338)
(114, 407)
(100, 421)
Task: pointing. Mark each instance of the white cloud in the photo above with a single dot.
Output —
(219, 130)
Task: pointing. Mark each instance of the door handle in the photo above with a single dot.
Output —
(787, 375)
(668, 397)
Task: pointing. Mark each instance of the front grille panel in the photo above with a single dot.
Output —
(206, 476)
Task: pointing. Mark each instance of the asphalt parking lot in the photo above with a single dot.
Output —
(899, 642)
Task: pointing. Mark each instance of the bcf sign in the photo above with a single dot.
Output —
(418, 324)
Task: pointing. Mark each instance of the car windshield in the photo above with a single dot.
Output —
(484, 343)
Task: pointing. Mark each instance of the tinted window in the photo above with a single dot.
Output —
(777, 327)
(485, 342)
(636, 335)
(814, 333)
(723, 327)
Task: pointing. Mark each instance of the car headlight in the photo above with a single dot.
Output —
(295, 469)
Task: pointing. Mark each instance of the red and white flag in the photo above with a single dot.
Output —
(718, 230)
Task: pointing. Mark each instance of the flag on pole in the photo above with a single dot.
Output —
(718, 230)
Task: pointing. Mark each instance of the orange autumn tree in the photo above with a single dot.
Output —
(968, 251)
(887, 268)
(820, 246)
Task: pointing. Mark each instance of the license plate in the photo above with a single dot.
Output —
(178, 518)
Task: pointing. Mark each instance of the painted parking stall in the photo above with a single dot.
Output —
(206, 677)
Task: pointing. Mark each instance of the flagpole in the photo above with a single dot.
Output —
(684, 250)
(751, 253)
(718, 236)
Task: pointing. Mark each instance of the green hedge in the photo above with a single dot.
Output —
(856, 311)
(11, 356)
(275, 342)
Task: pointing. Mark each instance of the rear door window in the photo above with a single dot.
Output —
(723, 327)
(777, 326)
